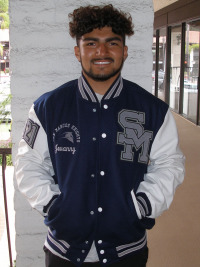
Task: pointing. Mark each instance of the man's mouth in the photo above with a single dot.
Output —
(102, 61)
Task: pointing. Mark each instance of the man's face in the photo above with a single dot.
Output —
(101, 53)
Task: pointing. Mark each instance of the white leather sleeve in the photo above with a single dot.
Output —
(34, 169)
(165, 170)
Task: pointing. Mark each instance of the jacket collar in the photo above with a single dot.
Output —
(88, 93)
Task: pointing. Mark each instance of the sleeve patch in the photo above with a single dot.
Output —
(30, 132)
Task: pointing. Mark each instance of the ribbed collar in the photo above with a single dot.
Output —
(88, 94)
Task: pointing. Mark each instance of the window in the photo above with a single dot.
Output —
(154, 62)
(162, 64)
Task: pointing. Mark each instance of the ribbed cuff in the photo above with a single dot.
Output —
(144, 204)
(48, 206)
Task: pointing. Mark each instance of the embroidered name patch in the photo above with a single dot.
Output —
(66, 137)
(30, 132)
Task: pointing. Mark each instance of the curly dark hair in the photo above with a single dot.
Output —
(86, 19)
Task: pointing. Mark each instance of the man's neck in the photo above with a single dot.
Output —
(100, 87)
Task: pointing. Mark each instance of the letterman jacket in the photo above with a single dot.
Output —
(99, 172)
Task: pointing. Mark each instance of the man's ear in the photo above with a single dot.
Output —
(77, 53)
(125, 52)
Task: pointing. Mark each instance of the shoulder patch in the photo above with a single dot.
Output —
(30, 132)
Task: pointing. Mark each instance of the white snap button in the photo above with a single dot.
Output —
(94, 139)
(78, 259)
(94, 110)
(100, 209)
(105, 106)
(103, 135)
(86, 242)
(102, 251)
(83, 251)
(100, 241)
(92, 175)
(102, 173)
(92, 212)
(104, 260)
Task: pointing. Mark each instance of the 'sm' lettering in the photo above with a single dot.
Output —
(134, 135)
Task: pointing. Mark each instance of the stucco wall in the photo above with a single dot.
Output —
(42, 58)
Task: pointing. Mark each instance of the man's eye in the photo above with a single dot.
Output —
(113, 43)
(90, 44)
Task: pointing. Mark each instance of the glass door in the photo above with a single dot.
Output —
(175, 67)
(191, 71)
(159, 63)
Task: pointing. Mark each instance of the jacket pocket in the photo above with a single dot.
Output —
(136, 206)
(54, 209)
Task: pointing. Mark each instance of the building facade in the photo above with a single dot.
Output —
(176, 53)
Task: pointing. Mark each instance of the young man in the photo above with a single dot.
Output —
(99, 158)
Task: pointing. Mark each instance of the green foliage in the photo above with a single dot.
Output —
(193, 47)
(1, 50)
(8, 160)
(4, 4)
(6, 144)
(4, 114)
(4, 17)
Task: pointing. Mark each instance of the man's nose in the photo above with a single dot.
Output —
(102, 49)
